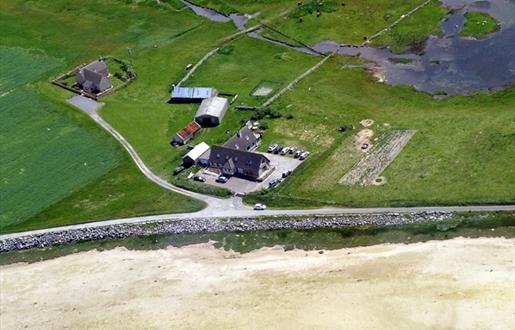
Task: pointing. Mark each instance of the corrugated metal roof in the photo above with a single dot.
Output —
(193, 92)
(213, 106)
(196, 152)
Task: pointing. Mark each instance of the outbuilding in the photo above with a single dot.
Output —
(192, 157)
(186, 134)
(94, 77)
(211, 111)
(192, 94)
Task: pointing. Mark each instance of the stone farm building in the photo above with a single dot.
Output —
(192, 94)
(232, 162)
(192, 157)
(245, 139)
(211, 111)
(94, 77)
(186, 134)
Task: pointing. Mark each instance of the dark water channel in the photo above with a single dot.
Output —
(447, 65)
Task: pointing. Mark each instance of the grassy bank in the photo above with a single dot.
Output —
(349, 23)
(473, 225)
(479, 25)
(411, 33)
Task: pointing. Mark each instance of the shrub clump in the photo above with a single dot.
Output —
(314, 6)
(266, 113)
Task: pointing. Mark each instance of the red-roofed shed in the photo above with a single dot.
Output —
(186, 134)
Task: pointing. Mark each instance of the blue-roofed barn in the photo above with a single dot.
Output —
(192, 94)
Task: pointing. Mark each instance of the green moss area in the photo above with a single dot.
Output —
(479, 25)
(462, 152)
(410, 34)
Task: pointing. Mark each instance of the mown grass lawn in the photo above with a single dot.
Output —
(479, 25)
(463, 151)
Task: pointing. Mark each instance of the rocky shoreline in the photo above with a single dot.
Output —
(206, 225)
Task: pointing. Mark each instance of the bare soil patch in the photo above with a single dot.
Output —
(363, 142)
(262, 91)
(367, 122)
(375, 162)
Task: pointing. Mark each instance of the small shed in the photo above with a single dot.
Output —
(211, 111)
(186, 134)
(192, 157)
(192, 94)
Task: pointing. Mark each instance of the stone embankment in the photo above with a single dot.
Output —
(206, 225)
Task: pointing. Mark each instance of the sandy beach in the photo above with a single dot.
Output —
(459, 283)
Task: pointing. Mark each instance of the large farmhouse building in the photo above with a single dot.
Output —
(186, 134)
(232, 162)
(94, 77)
(191, 94)
(211, 111)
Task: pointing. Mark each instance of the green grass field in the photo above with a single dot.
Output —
(462, 153)
(345, 24)
(141, 114)
(57, 166)
(479, 25)
(411, 32)
(61, 168)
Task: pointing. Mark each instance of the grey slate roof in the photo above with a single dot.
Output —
(94, 76)
(245, 139)
(233, 159)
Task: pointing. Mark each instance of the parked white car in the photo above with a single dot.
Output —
(304, 155)
(260, 207)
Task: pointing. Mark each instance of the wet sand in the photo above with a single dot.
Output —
(459, 283)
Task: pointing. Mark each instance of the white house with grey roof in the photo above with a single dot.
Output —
(192, 157)
(94, 77)
(211, 111)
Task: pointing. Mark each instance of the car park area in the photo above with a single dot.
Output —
(280, 164)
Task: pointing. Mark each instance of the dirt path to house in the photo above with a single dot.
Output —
(459, 284)
(378, 158)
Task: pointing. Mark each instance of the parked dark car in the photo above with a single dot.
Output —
(178, 170)
(273, 183)
(199, 178)
(278, 149)
(286, 174)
